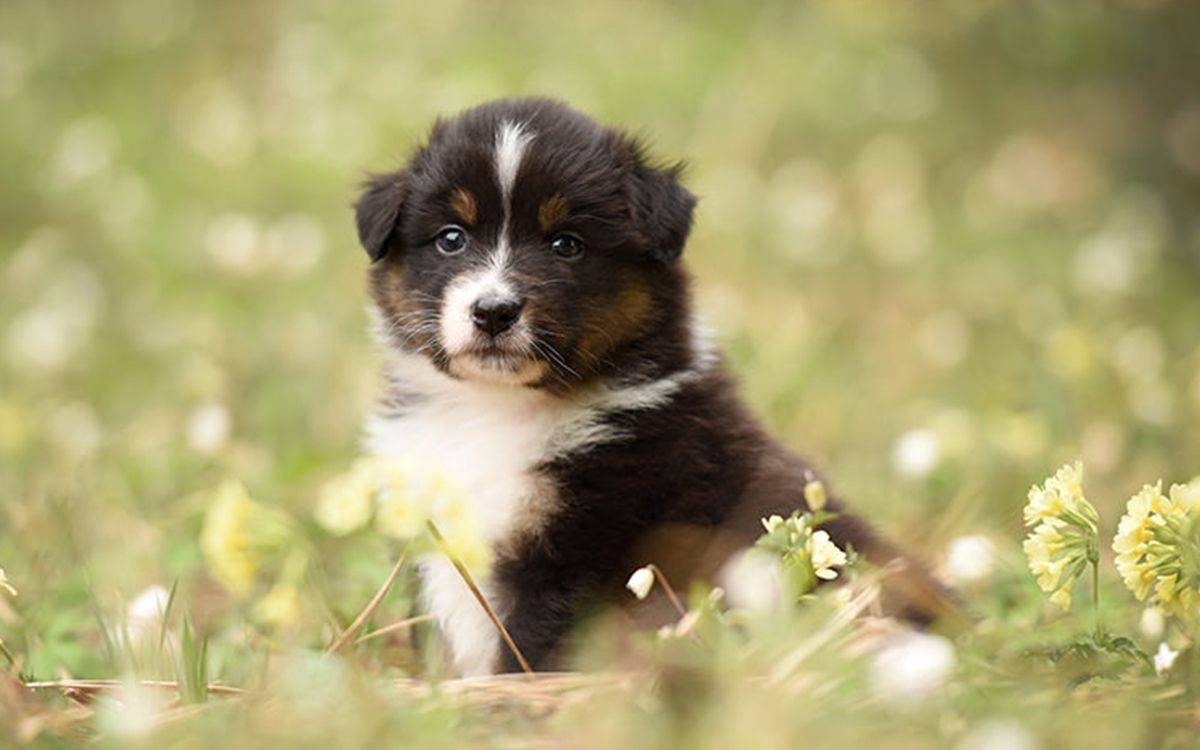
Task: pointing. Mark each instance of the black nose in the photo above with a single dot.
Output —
(494, 315)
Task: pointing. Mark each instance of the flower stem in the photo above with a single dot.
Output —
(12, 660)
(667, 587)
(1096, 596)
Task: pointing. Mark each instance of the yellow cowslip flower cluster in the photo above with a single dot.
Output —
(241, 537)
(1064, 538)
(403, 498)
(808, 553)
(1158, 546)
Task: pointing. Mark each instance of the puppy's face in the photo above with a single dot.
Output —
(524, 245)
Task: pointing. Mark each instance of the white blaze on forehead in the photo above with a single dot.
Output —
(511, 140)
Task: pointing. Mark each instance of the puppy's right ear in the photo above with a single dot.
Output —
(378, 212)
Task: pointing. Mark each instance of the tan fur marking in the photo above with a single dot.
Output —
(623, 320)
(462, 203)
(401, 310)
(551, 212)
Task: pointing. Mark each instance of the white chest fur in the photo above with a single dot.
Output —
(490, 439)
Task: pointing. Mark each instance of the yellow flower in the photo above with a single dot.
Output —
(1043, 548)
(815, 495)
(1134, 533)
(400, 519)
(405, 500)
(1060, 500)
(345, 503)
(1062, 597)
(772, 523)
(463, 532)
(460, 524)
(824, 555)
(408, 497)
(1187, 495)
(1064, 538)
(809, 555)
(241, 536)
(4, 584)
(1156, 546)
(280, 607)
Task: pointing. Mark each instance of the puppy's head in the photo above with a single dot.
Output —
(525, 244)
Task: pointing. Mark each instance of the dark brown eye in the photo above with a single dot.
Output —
(451, 241)
(567, 246)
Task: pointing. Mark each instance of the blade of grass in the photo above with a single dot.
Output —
(110, 647)
(192, 674)
(359, 622)
(12, 660)
(404, 624)
(166, 614)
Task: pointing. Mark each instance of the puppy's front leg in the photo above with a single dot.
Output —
(544, 600)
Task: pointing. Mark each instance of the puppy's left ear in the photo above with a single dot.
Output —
(661, 208)
(377, 212)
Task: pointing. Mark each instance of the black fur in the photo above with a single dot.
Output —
(691, 479)
(377, 212)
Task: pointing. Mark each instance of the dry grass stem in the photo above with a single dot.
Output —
(79, 689)
(404, 624)
(487, 608)
(359, 622)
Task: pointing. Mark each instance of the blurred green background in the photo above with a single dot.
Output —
(948, 246)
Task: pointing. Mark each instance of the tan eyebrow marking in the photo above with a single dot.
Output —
(462, 203)
(551, 212)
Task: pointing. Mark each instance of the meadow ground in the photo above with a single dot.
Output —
(947, 252)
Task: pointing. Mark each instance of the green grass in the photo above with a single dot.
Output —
(976, 220)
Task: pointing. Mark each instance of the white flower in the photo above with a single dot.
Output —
(825, 555)
(1164, 658)
(1152, 622)
(130, 710)
(970, 558)
(772, 523)
(641, 582)
(143, 616)
(917, 453)
(208, 427)
(911, 668)
(752, 580)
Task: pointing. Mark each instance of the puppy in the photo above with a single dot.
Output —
(540, 348)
